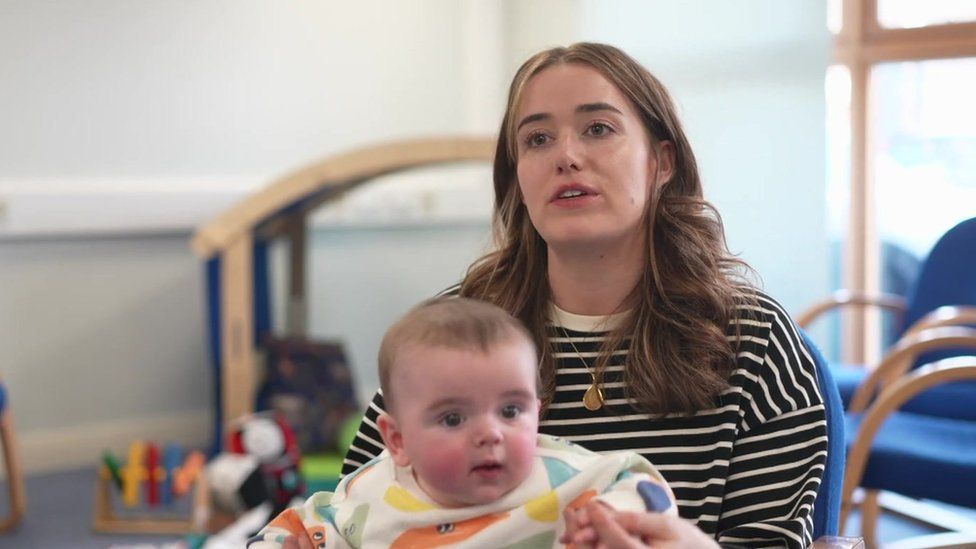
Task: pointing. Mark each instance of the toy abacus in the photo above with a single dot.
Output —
(165, 478)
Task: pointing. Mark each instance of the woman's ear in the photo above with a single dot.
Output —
(393, 439)
(664, 158)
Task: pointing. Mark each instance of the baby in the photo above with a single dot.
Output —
(464, 465)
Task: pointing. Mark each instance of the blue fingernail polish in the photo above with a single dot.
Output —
(654, 495)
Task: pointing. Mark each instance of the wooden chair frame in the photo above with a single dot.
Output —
(946, 315)
(848, 298)
(15, 476)
(899, 359)
(896, 386)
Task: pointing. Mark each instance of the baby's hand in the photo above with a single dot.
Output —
(579, 527)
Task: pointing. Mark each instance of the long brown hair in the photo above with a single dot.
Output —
(691, 284)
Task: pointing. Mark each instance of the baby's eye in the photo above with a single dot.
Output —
(452, 419)
(536, 139)
(599, 129)
(511, 411)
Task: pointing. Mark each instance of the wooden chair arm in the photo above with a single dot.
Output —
(948, 315)
(892, 398)
(900, 358)
(837, 542)
(15, 477)
(847, 298)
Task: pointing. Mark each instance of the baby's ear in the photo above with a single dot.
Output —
(392, 438)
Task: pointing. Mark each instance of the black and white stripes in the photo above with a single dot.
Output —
(746, 471)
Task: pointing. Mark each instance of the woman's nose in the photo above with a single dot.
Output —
(568, 155)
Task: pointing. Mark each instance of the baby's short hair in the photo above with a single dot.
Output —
(452, 323)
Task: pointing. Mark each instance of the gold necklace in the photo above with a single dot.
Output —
(593, 397)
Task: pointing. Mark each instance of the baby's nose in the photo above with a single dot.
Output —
(488, 433)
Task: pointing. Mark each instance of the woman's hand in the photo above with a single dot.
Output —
(598, 527)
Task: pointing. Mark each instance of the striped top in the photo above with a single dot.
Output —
(746, 471)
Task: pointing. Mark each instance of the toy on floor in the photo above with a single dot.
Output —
(263, 471)
(258, 474)
(164, 478)
(237, 484)
(271, 442)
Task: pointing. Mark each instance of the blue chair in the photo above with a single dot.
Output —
(921, 456)
(943, 294)
(827, 506)
(15, 479)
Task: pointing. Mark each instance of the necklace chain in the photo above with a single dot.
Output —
(593, 397)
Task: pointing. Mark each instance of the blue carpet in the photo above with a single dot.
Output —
(60, 507)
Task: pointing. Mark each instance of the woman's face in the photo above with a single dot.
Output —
(585, 163)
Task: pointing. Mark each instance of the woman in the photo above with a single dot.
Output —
(651, 338)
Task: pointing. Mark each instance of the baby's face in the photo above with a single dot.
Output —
(467, 420)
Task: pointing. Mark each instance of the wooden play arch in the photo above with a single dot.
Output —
(234, 246)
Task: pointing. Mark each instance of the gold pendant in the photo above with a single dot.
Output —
(593, 398)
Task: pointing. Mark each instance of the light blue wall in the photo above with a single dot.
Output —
(103, 336)
(106, 88)
(102, 339)
(360, 280)
(748, 77)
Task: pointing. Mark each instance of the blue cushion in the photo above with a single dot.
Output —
(3, 397)
(946, 276)
(848, 377)
(950, 400)
(921, 456)
(826, 507)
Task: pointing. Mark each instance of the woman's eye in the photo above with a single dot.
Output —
(452, 420)
(511, 411)
(598, 129)
(537, 139)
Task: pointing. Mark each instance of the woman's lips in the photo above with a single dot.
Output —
(572, 194)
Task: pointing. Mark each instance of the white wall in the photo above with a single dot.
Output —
(362, 280)
(748, 78)
(116, 88)
(100, 342)
(759, 137)
(102, 338)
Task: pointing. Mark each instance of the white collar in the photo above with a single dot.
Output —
(585, 323)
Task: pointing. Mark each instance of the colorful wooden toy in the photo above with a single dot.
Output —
(154, 474)
(133, 473)
(186, 475)
(112, 468)
(172, 457)
(165, 479)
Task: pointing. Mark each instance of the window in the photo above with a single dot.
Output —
(902, 141)
(908, 14)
